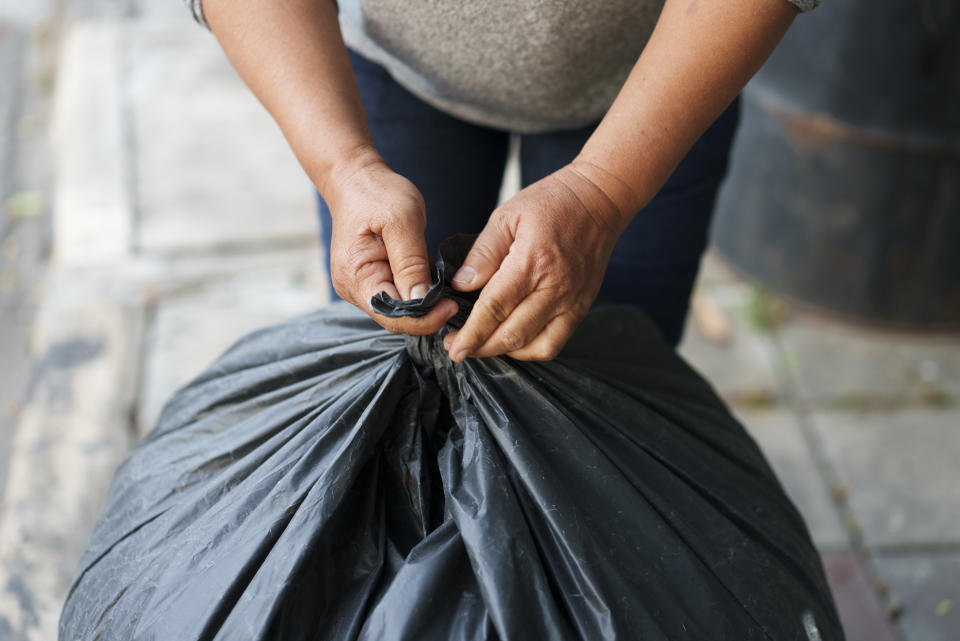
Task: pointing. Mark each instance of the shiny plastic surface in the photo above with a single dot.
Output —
(325, 479)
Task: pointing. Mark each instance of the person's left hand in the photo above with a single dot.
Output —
(540, 260)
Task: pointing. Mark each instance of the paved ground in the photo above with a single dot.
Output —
(168, 242)
(25, 83)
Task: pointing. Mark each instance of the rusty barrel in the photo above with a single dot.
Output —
(844, 184)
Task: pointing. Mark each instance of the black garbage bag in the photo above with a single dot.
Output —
(325, 479)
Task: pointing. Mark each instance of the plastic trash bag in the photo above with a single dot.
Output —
(325, 479)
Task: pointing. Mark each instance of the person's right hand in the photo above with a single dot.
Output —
(378, 245)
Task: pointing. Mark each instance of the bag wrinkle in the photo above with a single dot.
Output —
(325, 479)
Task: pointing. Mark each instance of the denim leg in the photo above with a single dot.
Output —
(458, 166)
(655, 261)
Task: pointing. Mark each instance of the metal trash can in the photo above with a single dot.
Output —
(844, 185)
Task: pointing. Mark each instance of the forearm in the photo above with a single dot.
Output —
(701, 54)
(291, 55)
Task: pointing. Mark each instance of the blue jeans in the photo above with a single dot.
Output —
(458, 167)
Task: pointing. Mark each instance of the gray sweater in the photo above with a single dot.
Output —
(525, 66)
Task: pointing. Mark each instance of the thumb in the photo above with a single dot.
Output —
(483, 261)
(407, 254)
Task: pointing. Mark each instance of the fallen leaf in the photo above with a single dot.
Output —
(839, 492)
(894, 610)
(8, 280)
(711, 319)
(25, 204)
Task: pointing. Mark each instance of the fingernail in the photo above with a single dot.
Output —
(419, 291)
(460, 352)
(464, 276)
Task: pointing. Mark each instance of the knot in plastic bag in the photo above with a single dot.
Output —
(428, 351)
(451, 255)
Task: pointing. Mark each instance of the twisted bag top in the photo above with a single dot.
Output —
(325, 479)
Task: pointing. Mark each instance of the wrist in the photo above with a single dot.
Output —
(628, 199)
(338, 171)
(608, 216)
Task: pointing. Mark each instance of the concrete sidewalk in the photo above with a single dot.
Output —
(182, 221)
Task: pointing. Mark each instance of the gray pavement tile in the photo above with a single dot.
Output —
(212, 170)
(26, 14)
(96, 9)
(927, 587)
(778, 434)
(860, 612)
(11, 54)
(189, 330)
(72, 432)
(151, 9)
(93, 212)
(15, 371)
(848, 365)
(901, 472)
(160, 276)
(511, 172)
(742, 368)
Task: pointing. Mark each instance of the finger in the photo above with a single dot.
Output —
(524, 324)
(448, 339)
(547, 345)
(496, 302)
(485, 257)
(409, 264)
(372, 278)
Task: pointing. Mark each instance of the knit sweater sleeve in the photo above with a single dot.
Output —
(802, 5)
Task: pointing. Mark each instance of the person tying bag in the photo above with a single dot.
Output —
(327, 479)
(401, 113)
